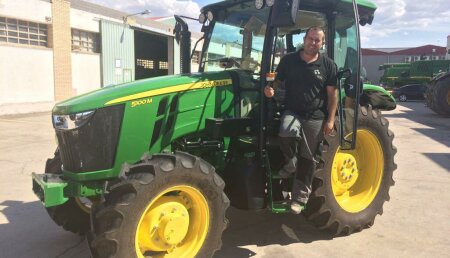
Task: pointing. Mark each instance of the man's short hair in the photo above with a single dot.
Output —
(317, 28)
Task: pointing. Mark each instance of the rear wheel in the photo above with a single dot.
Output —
(441, 96)
(350, 187)
(73, 215)
(168, 206)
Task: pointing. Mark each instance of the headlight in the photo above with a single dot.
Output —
(72, 121)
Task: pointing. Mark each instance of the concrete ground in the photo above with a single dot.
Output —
(415, 223)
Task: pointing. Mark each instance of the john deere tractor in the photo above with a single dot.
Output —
(149, 168)
(418, 72)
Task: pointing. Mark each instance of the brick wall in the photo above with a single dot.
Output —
(60, 34)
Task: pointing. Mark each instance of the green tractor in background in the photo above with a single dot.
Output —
(149, 168)
(418, 72)
(392, 72)
(433, 73)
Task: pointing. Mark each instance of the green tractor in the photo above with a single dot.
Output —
(392, 73)
(437, 95)
(149, 168)
(418, 72)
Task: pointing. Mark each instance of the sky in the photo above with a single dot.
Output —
(397, 23)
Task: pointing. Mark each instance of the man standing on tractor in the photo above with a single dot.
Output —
(311, 101)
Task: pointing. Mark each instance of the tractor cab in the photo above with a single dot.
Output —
(251, 37)
(248, 39)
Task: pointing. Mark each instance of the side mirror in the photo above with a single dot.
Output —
(284, 13)
(349, 82)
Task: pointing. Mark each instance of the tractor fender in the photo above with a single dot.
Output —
(378, 97)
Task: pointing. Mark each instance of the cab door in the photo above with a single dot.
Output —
(347, 57)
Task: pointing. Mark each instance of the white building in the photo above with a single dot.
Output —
(55, 49)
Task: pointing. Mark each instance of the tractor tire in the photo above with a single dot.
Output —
(441, 96)
(350, 187)
(73, 215)
(165, 206)
(433, 99)
(429, 96)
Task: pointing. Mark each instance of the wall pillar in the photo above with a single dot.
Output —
(61, 41)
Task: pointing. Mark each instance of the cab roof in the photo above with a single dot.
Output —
(317, 3)
(366, 8)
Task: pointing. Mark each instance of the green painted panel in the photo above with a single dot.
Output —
(117, 53)
(157, 111)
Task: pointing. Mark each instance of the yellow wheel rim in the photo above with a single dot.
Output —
(356, 175)
(174, 224)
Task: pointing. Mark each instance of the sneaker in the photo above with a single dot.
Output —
(296, 207)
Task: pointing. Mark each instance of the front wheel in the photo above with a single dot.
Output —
(72, 215)
(350, 187)
(402, 98)
(168, 206)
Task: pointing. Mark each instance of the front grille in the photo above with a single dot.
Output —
(92, 146)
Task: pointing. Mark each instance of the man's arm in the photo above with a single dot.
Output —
(331, 106)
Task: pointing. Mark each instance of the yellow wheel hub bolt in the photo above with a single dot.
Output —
(173, 228)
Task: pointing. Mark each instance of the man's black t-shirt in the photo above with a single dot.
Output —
(306, 84)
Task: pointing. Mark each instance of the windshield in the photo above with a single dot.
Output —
(238, 35)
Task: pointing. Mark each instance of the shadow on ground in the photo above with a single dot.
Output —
(30, 223)
(29, 232)
(438, 129)
(263, 228)
(442, 159)
(439, 126)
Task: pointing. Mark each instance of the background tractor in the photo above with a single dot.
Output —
(418, 72)
(149, 168)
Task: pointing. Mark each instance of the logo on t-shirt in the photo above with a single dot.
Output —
(318, 75)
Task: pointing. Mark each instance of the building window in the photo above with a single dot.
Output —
(147, 64)
(23, 32)
(85, 41)
(408, 59)
(163, 65)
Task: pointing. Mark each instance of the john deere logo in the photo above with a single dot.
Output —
(318, 75)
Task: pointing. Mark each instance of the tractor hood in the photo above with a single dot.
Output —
(122, 93)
